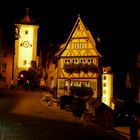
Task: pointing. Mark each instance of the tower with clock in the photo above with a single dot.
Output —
(25, 45)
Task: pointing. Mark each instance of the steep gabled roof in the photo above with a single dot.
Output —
(63, 47)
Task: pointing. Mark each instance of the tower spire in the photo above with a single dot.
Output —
(27, 11)
(78, 15)
(26, 19)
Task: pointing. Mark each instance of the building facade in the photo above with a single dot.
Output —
(25, 46)
(107, 87)
(76, 62)
(17, 59)
(6, 62)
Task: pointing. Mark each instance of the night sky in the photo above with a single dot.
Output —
(115, 22)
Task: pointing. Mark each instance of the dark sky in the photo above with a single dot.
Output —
(115, 22)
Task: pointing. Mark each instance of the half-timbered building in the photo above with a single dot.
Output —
(76, 62)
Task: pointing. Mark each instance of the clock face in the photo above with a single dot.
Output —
(26, 44)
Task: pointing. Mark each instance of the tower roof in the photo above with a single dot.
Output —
(26, 19)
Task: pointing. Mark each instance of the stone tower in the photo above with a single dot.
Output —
(25, 45)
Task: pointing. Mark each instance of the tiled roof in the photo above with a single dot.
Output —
(26, 20)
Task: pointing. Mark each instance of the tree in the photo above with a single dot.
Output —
(35, 75)
(81, 91)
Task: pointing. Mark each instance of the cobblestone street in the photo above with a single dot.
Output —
(24, 117)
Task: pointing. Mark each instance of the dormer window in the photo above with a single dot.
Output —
(79, 46)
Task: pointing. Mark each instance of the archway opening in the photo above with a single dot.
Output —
(23, 78)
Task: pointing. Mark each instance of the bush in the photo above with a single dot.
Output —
(81, 91)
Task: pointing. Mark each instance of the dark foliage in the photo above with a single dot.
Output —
(77, 68)
(81, 91)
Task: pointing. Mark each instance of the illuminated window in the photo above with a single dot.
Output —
(87, 84)
(93, 85)
(104, 84)
(76, 46)
(104, 91)
(24, 62)
(82, 46)
(26, 32)
(61, 84)
(105, 70)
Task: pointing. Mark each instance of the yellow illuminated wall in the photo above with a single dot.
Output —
(79, 48)
(25, 48)
(107, 87)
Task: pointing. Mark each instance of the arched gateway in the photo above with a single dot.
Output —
(25, 46)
